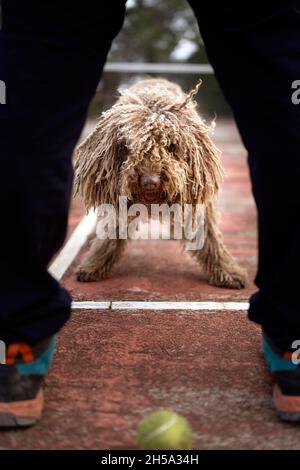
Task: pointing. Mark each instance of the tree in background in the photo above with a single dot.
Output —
(160, 31)
(154, 31)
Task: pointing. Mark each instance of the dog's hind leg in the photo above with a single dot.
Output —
(100, 259)
(222, 269)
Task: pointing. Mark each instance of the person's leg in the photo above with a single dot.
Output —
(254, 50)
(255, 54)
(51, 59)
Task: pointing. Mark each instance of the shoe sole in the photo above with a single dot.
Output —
(21, 413)
(287, 406)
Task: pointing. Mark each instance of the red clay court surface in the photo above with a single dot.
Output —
(113, 367)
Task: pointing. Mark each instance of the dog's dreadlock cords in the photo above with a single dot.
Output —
(189, 97)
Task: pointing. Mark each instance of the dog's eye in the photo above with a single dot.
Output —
(171, 148)
(123, 155)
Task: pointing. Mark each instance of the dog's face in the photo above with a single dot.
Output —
(149, 149)
(153, 176)
(145, 183)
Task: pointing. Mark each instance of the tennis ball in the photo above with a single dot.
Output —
(164, 430)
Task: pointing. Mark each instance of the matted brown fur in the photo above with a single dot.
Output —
(154, 129)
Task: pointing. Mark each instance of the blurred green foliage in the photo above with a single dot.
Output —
(160, 31)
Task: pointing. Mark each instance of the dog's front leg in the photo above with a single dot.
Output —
(221, 267)
(100, 259)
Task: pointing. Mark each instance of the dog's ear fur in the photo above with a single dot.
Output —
(97, 162)
(205, 170)
(205, 165)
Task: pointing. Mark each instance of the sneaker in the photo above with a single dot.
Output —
(286, 374)
(21, 379)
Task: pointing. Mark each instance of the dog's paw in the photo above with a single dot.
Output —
(85, 275)
(235, 278)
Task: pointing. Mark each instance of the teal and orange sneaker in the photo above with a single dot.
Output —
(21, 379)
(285, 369)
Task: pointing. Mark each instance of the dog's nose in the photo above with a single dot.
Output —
(150, 183)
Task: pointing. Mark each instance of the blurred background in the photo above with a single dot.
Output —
(160, 32)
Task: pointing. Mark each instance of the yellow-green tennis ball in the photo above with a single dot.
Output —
(164, 430)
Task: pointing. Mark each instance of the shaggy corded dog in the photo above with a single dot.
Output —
(152, 146)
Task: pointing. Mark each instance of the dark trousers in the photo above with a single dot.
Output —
(254, 48)
(51, 57)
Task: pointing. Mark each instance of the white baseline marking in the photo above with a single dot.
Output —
(90, 305)
(124, 305)
(71, 249)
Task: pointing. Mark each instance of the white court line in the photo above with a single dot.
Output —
(125, 305)
(71, 249)
(90, 305)
(163, 305)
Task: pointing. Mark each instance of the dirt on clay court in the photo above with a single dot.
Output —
(112, 367)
